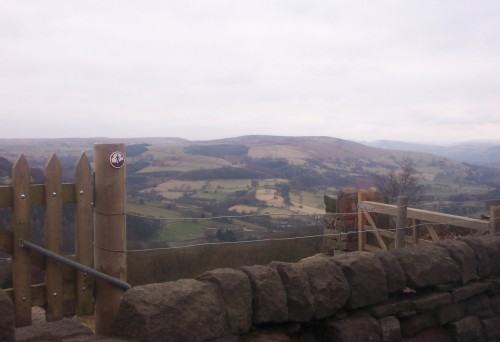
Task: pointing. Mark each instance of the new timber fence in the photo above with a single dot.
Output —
(69, 280)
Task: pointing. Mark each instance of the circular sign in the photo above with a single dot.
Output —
(117, 159)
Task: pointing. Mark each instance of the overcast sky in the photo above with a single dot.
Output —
(412, 70)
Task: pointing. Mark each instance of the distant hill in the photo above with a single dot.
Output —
(481, 153)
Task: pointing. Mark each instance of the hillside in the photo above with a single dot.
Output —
(481, 153)
(271, 176)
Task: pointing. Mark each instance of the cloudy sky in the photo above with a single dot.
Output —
(412, 70)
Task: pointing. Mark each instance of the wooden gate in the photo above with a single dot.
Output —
(420, 219)
(62, 285)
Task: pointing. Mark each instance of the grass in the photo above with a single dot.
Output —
(295, 155)
(149, 209)
(179, 231)
(211, 196)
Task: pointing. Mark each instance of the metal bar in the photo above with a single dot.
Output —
(116, 282)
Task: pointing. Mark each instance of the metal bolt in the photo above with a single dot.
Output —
(81, 192)
(54, 294)
(84, 288)
(24, 299)
(54, 194)
(23, 196)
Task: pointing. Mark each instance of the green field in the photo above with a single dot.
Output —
(178, 231)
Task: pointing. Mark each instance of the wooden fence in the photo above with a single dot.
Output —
(63, 285)
(419, 220)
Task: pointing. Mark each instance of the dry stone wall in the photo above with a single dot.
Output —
(448, 291)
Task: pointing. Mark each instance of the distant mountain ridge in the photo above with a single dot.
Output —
(474, 152)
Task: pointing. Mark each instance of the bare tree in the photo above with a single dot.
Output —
(402, 181)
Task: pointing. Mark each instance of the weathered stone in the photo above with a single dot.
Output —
(267, 337)
(467, 329)
(478, 306)
(463, 256)
(269, 295)
(391, 308)
(347, 201)
(406, 314)
(431, 301)
(235, 292)
(184, 310)
(495, 303)
(6, 318)
(492, 244)
(469, 290)
(298, 293)
(390, 331)
(356, 328)
(366, 278)
(494, 286)
(394, 274)
(411, 326)
(491, 328)
(450, 313)
(330, 204)
(427, 266)
(482, 257)
(64, 329)
(430, 335)
(329, 287)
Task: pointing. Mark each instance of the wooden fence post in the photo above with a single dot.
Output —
(401, 221)
(21, 225)
(495, 220)
(109, 230)
(361, 222)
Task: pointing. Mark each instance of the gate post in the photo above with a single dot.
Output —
(494, 220)
(401, 221)
(109, 230)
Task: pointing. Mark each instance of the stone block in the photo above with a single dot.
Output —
(328, 285)
(183, 310)
(235, 292)
(482, 257)
(478, 306)
(450, 313)
(492, 244)
(431, 301)
(298, 293)
(268, 294)
(467, 330)
(390, 331)
(391, 308)
(355, 328)
(491, 328)
(464, 257)
(427, 266)
(412, 325)
(366, 278)
(7, 330)
(394, 274)
(469, 290)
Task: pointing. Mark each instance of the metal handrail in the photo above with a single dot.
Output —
(71, 263)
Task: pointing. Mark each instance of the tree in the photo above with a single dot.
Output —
(402, 181)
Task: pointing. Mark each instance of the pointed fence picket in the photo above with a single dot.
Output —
(63, 285)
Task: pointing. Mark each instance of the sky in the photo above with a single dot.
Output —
(413, 70)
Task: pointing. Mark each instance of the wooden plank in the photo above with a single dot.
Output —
(39, 293)
(429, 216)
(5, 196)
(432, 233)
(84, 247)
(53, 238)
(361, 223)
(370, 248)
(38, 196)
(21, 227)
(374, 230)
